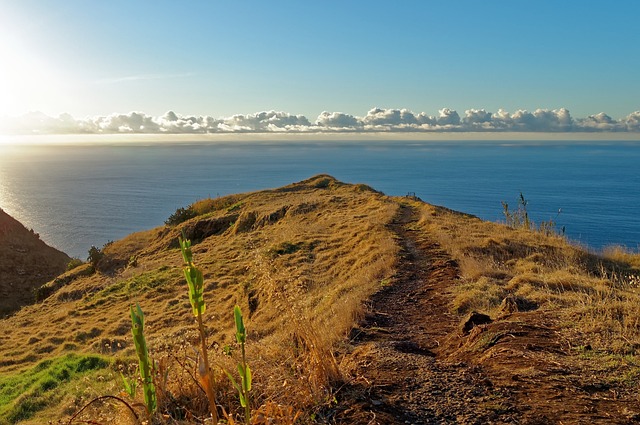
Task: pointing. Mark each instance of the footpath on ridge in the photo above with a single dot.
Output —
(398, 375)
(409, 364)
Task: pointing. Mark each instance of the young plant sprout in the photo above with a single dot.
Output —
(195, 281)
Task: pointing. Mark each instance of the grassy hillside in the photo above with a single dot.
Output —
(303, 262)
(26, 262)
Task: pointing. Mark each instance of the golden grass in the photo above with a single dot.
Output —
(301, 261)
(594, 299)
(300, 271)
(623, 255)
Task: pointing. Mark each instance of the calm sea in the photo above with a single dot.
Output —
(80, 195)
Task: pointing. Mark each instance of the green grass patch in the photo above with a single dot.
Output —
(235, 207)
(24, 394)
(122, 289)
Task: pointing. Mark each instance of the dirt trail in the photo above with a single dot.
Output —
(399, 377)
(411, 364)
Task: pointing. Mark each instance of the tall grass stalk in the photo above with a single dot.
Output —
(518, 218)
(243, 368)
(137, 329)
(195, 281)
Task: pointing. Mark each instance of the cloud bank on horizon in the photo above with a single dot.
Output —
(376, 120)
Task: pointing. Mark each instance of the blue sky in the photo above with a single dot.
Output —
(220, 58)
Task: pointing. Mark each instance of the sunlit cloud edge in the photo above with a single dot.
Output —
(377, 120)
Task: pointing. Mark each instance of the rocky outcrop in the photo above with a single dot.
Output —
(26, 263)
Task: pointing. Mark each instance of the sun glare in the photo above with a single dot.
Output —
(26, 83)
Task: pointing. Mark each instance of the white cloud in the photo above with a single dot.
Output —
(133, 122)
(632, 121)
(599, 122)
(541, 120)
(376, 120)
(338, 120)
(389, 117)
(476, 116)
(264, 122)
(556, 120)
(448, 117)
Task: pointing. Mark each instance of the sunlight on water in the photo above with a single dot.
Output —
(5, 202)
(78, 195)
(6, 198)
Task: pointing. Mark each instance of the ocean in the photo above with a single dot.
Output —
(78, 195)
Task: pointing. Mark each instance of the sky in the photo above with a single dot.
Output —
(214, 66)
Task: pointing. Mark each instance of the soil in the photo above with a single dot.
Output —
(413, 361)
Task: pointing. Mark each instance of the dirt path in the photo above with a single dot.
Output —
(398, 375)
(411, 364)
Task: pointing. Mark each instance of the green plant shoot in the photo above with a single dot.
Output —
(130, 386)
(241, 332)
(137, 329)
(194, 278)
(243, 368)
(195, 281)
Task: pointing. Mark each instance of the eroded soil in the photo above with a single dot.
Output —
(412, 363)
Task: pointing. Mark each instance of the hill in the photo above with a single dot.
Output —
(361, 308)
(26, 263)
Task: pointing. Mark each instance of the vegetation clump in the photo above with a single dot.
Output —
(180, 216)
(24, 394)
(75, 262)
(95, 256)
(519, 218)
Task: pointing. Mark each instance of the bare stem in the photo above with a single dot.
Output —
(208, 378)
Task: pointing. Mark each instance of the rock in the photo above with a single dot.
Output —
(475, 319)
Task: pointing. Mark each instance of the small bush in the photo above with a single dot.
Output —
(75, 262)
(95, 255)
(180, 216)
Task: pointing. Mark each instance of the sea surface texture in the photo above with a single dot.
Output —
(80, 195)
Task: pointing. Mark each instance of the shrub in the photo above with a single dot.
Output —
(180, 216)
(95, 255)
(75, 262)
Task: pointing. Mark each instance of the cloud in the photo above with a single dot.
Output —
(448, 117)
(264, 122)
(338, 120)
(632, 121)
(389, 117)
(375, 120)
(133, 122)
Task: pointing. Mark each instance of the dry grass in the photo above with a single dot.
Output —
(624, 256)
(595, 299)
(300, 267)
(301, 261)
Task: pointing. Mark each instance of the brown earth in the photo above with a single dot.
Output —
(26, 263)
(413, 363)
